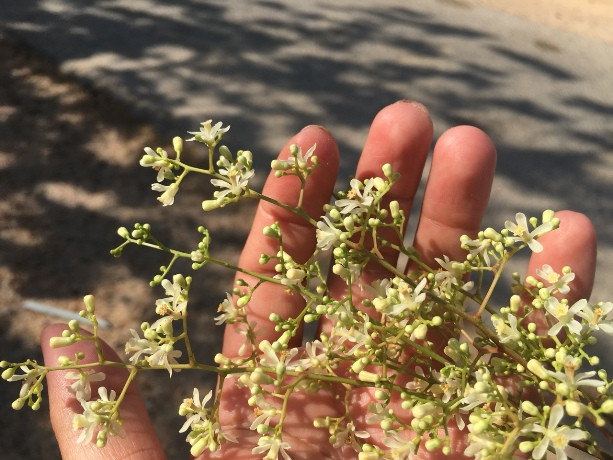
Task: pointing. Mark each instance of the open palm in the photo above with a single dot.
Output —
(454, 202)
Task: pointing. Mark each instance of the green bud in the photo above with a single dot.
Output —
(607, 406)
(270, 231)
(123, 232)
(548, 216)
(433, 444)
(526, 446)
(89, 303)
(199, 447)
(58, 342)
(529, 408)
(18, 403)
(177, 144)
(537, 369)
(210, 205)
(8, 373)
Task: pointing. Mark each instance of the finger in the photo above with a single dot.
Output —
(457, 193)
(298, 235)
(400, 135)
(573, 244)
(141, 441)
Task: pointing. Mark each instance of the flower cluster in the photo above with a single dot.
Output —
(428, 350)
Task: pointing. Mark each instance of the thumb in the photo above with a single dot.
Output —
(140, 442)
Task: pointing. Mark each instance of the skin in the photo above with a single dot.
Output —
(455, 200)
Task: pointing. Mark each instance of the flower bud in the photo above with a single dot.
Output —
(537, 369)
(209, 205)
(433, 444)
(177, 144)
(575, 408)
(58, 342)
(529, 408)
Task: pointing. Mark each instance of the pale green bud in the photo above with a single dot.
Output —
(529, 408)
(210, 205)
(270, 231)
(58, 342)
(607, 406)
(575, 408)
(387, 170)
(381, 395)
(177, 144)
(279, 165)
(421, 410)
(537, 369)
(8, 373)
(548, 216)
(492, 234)
(395, 209)
(433, 444)
(526, 446)
(199, 447)
(379, 183)
(420, 331)
(18, 403)
(349, 223)
(367, 376)
(89, 303)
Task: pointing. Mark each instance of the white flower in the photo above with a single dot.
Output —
(81, 388)
(264, 411)
(564, 315)
(236, 182)
(597, 317)
(209, 134)
(157, 160)
(316, 359)
(555, 281)
(167, 198)
(359, 198)
(558, 437)
(175, 304)
(406, 298)
(228, 311)
(271, 359)
(523, 235)
(97, 413)
(165, 355)
(478, 247)
(29, 377)
(327, 234)
(273, 446)
(451, 274)
(400, 448)
(292, 277)
(300, 160)
(348, 435)
(156, 355)
(197, 409)
(571, 380)
(506, 332)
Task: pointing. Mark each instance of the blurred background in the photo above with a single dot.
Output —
(84, 87)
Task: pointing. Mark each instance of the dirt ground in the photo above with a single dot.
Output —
(69, 177)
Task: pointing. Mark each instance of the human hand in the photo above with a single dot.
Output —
(454, 202)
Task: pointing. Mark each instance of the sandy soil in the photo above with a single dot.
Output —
(69, 177)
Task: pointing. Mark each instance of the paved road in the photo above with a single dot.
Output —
(270, 67)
